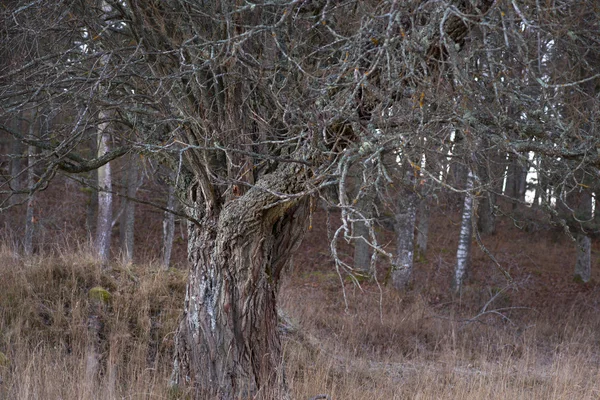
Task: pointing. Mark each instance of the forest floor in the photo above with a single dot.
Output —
(535, 335)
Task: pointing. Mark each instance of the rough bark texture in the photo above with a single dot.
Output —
(168, 228)
(104, 222)
(228, 345)
(404, 229)
(463, 252)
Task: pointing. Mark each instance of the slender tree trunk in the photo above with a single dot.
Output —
(405, 232)
(491, 175)
(104, 222)
(227, 345)
(126, 231)
(168, 228)
(583, 264)
(463, 253)
(457, 172)
(16, 165)
(362, 250)
(433, 165)
(457, 177)
(516, 180)
(597, 209)
(580, 200)
(29, 214)
(511, 177)
(541, 188)
(91, 217)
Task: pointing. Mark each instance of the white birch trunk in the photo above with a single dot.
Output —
(464, 240)
(104, 222)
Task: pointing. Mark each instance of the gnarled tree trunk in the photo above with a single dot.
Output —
(227, 345)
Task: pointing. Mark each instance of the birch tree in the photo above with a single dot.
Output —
(168, 225)
(105, 199)
(463, 253)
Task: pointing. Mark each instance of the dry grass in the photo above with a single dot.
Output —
(419, 345)
(45, 311)
(413, 350)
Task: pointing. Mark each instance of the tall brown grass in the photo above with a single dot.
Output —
(382, 346)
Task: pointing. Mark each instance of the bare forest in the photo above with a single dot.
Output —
(299, 199)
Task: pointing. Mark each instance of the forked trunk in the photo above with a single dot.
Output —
(228, 345)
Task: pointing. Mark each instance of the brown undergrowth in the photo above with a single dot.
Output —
(534, 337)
(46, 312)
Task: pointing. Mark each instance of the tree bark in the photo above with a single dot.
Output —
(29, 214)
(168, 228)
(16, 165)
(491, 176)
(405, 232)
(362, 249)
(227, 345)
(579, 200)
(33, 125)
(597, 208)
(583, 264)
(463, 252)
(516, 180)
(126, 231)
(104, 222)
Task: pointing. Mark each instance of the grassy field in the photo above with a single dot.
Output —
(535, 337)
